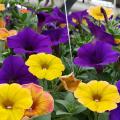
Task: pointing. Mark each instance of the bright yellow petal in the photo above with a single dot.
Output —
(83, 91)
(106, 105)
(23, 99)
(3, 92)
(52, 74)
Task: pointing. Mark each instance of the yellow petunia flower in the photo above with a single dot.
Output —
(14, 100)
(45, 66)
(43, 102)
(98, 96)
(2, 7)
(95, 12)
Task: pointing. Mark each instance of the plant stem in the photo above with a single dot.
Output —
(96, 115)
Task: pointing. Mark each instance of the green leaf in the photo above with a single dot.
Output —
(103, 116)
(62, 113)
(46, 117)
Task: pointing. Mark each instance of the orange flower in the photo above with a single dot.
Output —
(69, 82)
(23, 11)
(2, 23)
(4, 33)
(43, 102)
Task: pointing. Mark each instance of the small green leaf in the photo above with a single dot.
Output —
(46, 117)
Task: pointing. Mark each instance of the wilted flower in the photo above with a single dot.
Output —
(14, 70)
(96, 54)
(60, 35)
(45, 66)
(43, 102)
(69, 82)
(96, 13)
(14, 100)
(28, 41)
(98, 96)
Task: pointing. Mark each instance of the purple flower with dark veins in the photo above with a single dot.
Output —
(57, 36)
(14, 70)
(27, 41)
(96, 54)
(100, 33)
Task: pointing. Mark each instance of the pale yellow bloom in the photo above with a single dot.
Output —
(95, 12)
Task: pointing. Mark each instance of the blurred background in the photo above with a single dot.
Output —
(74, 5)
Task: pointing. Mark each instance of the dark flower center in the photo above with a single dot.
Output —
(29, 48)
(96, 98)
(45, 66)
(8, 104)
(96, 58)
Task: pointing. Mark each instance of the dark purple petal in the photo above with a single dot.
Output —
(58, 15)
(79, 16)
(100, 34)
(118, 85)
(57, 36)
(28, 41)
(115, 114)
(14, 70)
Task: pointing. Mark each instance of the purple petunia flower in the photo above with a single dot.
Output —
(115, 114)
(57, 36)
(14, 70)
(96, 54)
(56, 16)
(28, 41)
(78, 16)
(44, 18)
(100, 33)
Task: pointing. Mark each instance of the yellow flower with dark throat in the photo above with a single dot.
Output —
(95, 12)
(43, 102)
(14, 100)
(45, 66)
(98, 96)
